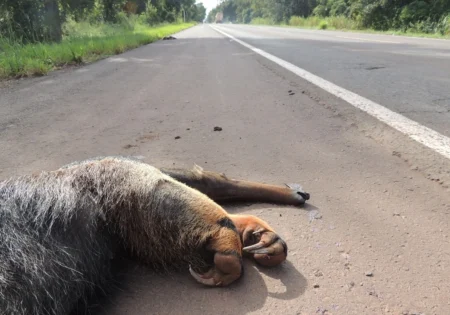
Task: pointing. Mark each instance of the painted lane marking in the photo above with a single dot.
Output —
(424, 135)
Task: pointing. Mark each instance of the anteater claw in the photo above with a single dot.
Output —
(227, 269)
(270, 250)
(209, 281)
(250, 249)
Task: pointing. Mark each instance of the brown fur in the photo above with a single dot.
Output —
(59, 229)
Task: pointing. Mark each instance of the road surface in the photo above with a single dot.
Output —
(374, 238)
(407, 75)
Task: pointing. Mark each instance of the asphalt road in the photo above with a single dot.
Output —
(374, 238)
(407, 75)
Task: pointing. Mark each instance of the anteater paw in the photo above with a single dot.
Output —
(299, 193)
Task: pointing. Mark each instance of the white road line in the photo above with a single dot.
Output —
(369, 40)
(424, 135)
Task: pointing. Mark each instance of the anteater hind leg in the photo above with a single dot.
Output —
(221, 188)
(259, 239)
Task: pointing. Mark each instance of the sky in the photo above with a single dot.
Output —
(209, 4)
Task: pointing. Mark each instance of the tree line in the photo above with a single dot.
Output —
(42, 20)
(429, 16)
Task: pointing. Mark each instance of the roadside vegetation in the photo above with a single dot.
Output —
(39, 36)
(404, 17)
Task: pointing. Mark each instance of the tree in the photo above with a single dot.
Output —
(200, 12)
(377, 14)
(111, 8)
(78, 9)
(32, 20)
(52, 21)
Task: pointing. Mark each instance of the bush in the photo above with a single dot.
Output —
(312, 21)
(442, 27)
(296, 21)
(415, 11)
(333, 22)
(263, 21)
(72, 29)
(150, 15)
(338, 7)
(127, 22)
(321, 10)
(341, 22)
(246, 16)
(445, 25)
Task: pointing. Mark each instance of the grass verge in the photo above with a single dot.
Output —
(345, 24)
(17, 60)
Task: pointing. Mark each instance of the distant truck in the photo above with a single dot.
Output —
(219, 17)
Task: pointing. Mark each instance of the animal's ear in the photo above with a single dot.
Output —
(197, 169)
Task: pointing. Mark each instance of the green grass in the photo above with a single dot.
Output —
(345, 24)
(262, 21)
(82, 43)
(408, 33)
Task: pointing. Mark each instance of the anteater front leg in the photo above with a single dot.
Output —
(226, 247)
(166, 222)
(221, 188)
(223, 244)
(259, 239)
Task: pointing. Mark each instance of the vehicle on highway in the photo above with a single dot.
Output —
(219, 17)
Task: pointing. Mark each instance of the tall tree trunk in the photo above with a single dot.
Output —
(109, 13)
(52, 20)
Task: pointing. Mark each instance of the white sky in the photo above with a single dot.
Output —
(209, 4)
